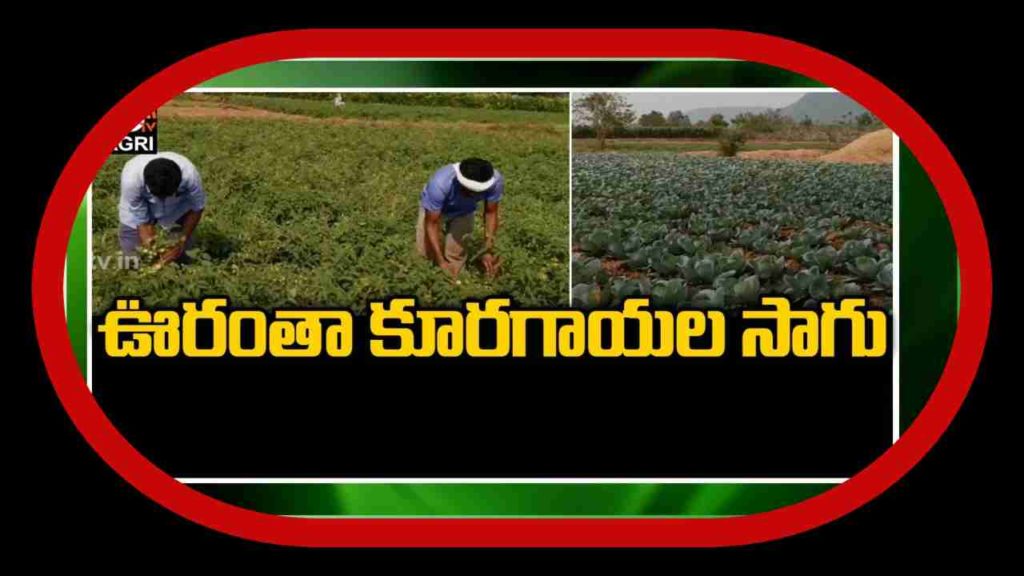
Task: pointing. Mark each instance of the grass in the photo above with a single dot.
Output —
(323, 214)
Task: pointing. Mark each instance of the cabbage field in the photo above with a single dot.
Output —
(722, 232)
(310, 212)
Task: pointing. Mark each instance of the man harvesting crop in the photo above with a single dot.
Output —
(159, 189)
(448, 202)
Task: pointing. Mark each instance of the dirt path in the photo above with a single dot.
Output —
(796, 154)
(211, 110)
(753, 142)
(218, 110)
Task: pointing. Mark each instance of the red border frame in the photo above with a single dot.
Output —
(968, 343)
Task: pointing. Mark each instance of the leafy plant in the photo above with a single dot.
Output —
(769, 267)
(589, 296)
(702, 270)
(864, 267)
(150, 256)
(665, 264)
(597, 242)
(623, 288)
(808, 284)
(672, 293)
(734, 262)
(752, 236)
(641, 259)
(823, 258)
(588, 270)
(746, 290)
(807, 231)
(856, 248)
(846, 290)
(680, 244)
(811, 237)
(708, 298)
(885, 276)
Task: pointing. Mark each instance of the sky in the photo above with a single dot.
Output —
(665, 102)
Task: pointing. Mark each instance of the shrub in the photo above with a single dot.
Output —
(730, 141)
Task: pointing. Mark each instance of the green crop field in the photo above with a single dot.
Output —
(321, 108)
(321, 213)
(721, 232)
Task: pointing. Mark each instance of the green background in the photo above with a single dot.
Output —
(927, 320)
(509, 74)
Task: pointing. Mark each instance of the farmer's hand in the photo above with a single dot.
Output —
(171, 254)
(451, 269)
(491, 264)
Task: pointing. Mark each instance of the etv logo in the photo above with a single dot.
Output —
(141, 139)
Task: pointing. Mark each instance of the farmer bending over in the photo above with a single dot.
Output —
(447, 209)
(160, 189)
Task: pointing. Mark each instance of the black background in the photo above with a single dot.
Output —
(361, 416)
(951, 64)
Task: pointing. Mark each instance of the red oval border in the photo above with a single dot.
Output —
(968, 343)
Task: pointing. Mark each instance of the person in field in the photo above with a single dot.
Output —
(160, 190)
(447, 212)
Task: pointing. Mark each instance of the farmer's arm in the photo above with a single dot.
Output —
(491, 203)
(490, 224)
(432, 222)
(197, 200)
(489, 260)
(189, 223)
(432, 203)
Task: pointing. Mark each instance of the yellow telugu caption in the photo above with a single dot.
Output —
(399, 330)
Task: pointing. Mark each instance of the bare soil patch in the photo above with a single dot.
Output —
(872, 148)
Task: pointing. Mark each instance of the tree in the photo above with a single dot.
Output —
(653, 118)
(718, 121)
(832, 133)
(678, 119)
(865, 119)
(604, 112)
(762, 122)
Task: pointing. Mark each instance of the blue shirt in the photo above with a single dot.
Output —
(138, 206)
(443, 193)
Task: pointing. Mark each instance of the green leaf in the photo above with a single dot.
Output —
(588, 296)
(670, 293)
(824, 258)
(864, 267)
(885, 275)
(746, 290)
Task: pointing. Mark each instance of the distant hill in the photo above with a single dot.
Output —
(727, 112)
(824, 108)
